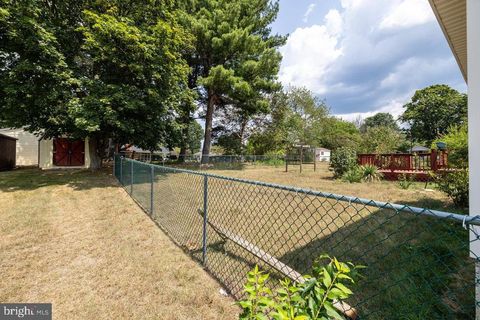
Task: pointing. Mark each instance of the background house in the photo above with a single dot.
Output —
(322, 154)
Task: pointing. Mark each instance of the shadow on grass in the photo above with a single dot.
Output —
(34, 178)
(418, 267)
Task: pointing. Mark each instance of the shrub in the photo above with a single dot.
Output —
(455, 185)
(370, 173)
(353, 175)
(457, 145)
(342, 160)
(405, 181)
(316, 298)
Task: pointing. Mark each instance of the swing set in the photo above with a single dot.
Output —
(301, 154)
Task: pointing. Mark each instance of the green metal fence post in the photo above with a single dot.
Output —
(131, 177)
(121, 170)
(152, 177)
(205, 219)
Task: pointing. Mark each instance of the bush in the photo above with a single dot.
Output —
(370, 173)
(353, 175)
(405, 180)
(342, 160)
(455, 185)
(457, 145)
(316, 298)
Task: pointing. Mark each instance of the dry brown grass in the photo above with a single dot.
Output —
(77, 240)
(404, 253)
(322, 180)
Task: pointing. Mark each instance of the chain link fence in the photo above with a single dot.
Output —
(418, 264)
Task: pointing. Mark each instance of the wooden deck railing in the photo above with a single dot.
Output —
(414, 162)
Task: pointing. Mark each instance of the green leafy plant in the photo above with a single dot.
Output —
(455, 185)
(258, 297)
(342, 160)
(457, 145)
(319, 296)
(370, 173)
(405, 181)
(353, 175)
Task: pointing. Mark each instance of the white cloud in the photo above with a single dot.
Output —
(370, 56)
(307, 55)
(334, 22)
(393, 107)
(407, 14)
(309, 11)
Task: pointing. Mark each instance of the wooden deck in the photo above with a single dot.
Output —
(418, 165)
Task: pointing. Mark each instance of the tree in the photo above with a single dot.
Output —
(297, 117)
(457, 144)
(381, 119)
(433, 110)
(236, 59)
(381, 139)
(98, 69)
(339, 133)
(195, 135)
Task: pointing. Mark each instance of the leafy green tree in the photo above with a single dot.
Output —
(99, 69)
(236, 60)
(297, 117)
(381, 119)
(457, 145)
(433, 110)
(381, 140)
(307, 121)
(195, 135)
(338, 133)
(230, 143)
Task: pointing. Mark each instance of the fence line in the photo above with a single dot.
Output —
(417, 259)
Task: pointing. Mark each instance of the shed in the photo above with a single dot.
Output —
(63, 152)
(27, 146)
(7, 152)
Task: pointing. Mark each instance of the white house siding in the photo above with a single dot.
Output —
(27, 146)
(322, 154)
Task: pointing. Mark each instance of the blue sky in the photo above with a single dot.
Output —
(364, 56)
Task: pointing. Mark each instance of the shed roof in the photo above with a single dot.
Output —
(4, 136)
(419, 149)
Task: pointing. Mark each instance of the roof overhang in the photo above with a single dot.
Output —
(452, 17)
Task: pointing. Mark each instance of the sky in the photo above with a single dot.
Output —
(364, 56)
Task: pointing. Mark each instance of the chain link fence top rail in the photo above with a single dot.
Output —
(417, 260)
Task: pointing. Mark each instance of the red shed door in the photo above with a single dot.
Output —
(68, 152)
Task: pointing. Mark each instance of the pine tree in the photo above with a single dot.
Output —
(235, 61)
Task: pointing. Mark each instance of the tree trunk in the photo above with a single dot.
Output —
(95, 156)
(181, 156)
(243, 126)
(208, 127)
(184, 141)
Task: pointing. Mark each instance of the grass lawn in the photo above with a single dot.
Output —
(322, 180)
(77, 240)
(417, 266)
